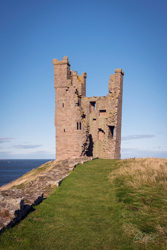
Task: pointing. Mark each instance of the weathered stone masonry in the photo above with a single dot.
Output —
(86, 126)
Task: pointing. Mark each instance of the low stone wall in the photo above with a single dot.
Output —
(17, 201)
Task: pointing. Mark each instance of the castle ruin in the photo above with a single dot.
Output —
(86, 126)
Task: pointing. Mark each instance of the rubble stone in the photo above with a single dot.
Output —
(15, 203)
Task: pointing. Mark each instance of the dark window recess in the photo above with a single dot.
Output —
(92, 106)
(90, 148)
(64, 130)
(63, 105)
(79, 101)
(102, 112)
(111, 132)
(94, 119)
(78, 125)
(83, 116)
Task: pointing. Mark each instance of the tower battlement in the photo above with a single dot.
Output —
(88, 126)
(63, 61)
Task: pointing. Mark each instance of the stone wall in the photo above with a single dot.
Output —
(18, 200)
(89, 126)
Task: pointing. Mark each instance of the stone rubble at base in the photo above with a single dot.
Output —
(15, 203)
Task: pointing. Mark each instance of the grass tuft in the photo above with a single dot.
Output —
(141, 187)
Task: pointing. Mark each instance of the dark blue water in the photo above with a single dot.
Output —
(12, 169)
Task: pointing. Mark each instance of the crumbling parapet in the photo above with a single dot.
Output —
(88, 126)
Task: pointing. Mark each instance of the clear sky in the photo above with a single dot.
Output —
(98, 37)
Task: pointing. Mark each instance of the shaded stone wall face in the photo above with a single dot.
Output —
(86, 126)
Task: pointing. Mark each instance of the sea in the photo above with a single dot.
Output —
(11, 170)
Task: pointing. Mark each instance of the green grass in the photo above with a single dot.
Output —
(93, 210)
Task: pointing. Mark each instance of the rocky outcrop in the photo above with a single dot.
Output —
(17, 201)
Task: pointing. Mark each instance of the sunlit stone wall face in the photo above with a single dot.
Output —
(88, 126)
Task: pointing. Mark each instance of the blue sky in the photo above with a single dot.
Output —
(98, 37)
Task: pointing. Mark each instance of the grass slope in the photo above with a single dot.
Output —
(103, 204)
(30, 176)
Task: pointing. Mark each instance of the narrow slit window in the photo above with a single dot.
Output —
(78, 125)
(63, 105)
(79, 101)
(64, 130)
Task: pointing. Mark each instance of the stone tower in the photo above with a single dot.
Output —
(86, 125)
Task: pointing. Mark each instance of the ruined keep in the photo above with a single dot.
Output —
(88, 126)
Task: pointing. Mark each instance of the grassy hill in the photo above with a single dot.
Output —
(103, 204)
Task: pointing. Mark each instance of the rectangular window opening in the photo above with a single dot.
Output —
(102, 112)
(63, 105)
(111, 132)
(92, 106)
(78, 125)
